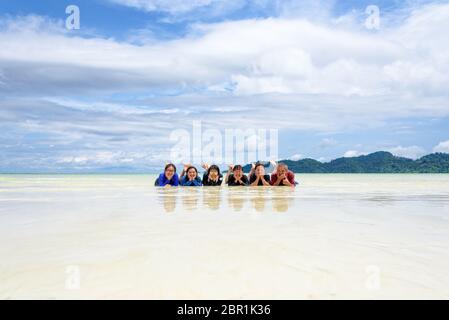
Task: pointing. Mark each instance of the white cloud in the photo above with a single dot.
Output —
(293, 56)
(327, 143)
(204, 9)
(443, 147)
(412, 152)
(296, 157)
(353, 153)
(289, 73)
(170, 6)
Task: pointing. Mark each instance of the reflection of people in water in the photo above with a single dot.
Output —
(235, 199)
(168, 178)
(212, 198)
(282, 198)
(168, 199)
(259, 199)
(190, 198)
(281, 202)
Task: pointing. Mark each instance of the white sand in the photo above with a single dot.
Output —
(335, 236)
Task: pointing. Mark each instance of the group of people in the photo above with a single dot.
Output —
(189, 176)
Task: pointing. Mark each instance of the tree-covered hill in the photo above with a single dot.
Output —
(378, 162)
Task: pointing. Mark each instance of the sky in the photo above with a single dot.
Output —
(332, 77)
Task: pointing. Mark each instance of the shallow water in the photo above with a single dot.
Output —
(116, 236)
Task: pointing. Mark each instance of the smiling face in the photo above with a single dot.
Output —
(260, 171)
(191, 173)
(169, 172)
(238, 173)
(213, 173)
(282, 170)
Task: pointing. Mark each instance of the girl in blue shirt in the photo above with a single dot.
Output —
(168, 178)
(190, 178)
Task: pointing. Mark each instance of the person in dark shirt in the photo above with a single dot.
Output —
(212, 176)
(236, 178)
(282, 176)
(258, 176)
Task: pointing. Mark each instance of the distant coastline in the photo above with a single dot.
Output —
(377, 162)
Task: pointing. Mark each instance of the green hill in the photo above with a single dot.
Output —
(378, 162)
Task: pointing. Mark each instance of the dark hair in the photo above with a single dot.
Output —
(213, 167)
(169, 165)
(258, 164)
(237, 167)
(192, 167)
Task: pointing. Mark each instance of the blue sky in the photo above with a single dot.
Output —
(108, 96)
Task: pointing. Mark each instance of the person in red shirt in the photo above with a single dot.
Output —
(282, 176)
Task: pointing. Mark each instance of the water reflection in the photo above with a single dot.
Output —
(190, 198)
(212, 198)
(259, 199)
(282, 199)
(237, 198)
(168, 198)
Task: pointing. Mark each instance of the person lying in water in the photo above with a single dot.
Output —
(236, 178)
(281, 176)
(212, 176)
(169, 178)
(189, 177)
(258, 177)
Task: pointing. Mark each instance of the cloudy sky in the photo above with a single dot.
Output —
(110, 94)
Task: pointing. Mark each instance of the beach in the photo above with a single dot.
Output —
(335, 236)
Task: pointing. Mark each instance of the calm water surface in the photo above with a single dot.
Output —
(116, 236)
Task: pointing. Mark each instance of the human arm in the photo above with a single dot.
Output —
(231, 166)
(255, 178)
(264, 181)
(184, 169)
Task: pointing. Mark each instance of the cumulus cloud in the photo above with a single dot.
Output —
(412, 152)
(327, 143)
(443, 147)
(294, 56)
(353, 153)
(296, 157)
(289, 72)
